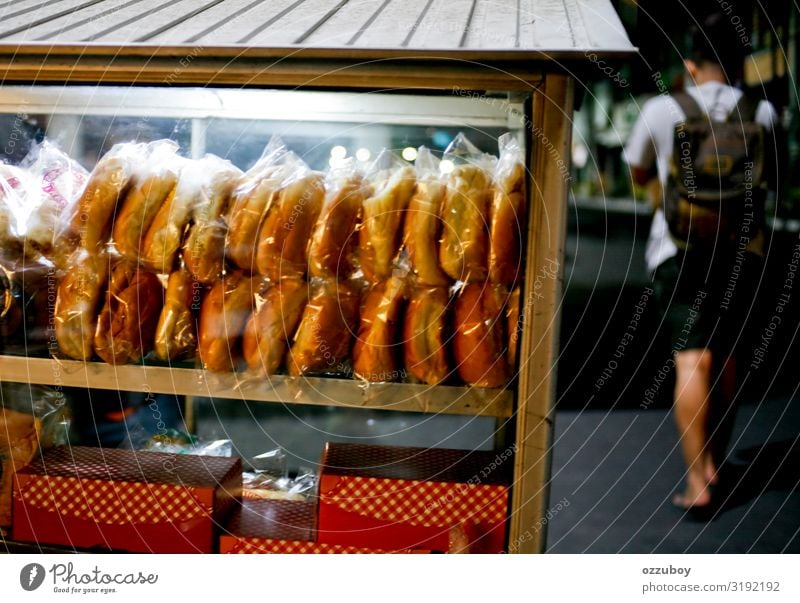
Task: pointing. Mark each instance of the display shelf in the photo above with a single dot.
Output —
(320, 391)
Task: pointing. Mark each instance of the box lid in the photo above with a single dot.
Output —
(273, 519)
(421, 464)
(134, 466)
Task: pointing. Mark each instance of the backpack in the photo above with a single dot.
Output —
(715, 189)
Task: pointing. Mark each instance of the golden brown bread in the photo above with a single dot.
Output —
(19, 444)
(423, 230)
(223, 316)
(147, 194)
(376, 349)
(507, 226)
(465, 217)
(271, 328)
(382, 216)
(334, 237)
(480, 341)
(176, 332)
(249, 203)
(287, 227)
(108, 184)
(204, 249)
(424, 333)
(79, 295)
(514, 327)
(325, 334)
(127, 323)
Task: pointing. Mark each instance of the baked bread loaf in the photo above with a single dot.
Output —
(127, 323)
(465, 214)
(287, 227)
(79, 295)
(507, 226)
(334, 240)
(271, 328)
(223, 316)
(382, 216)
(424, 335)
(204, 249)
(423, 229)
(176, 332)
(376, 349)
(323, 339)
(480, 343)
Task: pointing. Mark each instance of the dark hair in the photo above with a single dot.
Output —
(716, 41)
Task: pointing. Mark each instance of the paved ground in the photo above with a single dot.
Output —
(618, 470)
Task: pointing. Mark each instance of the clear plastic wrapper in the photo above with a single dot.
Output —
(377, 348)
(32, 418)
(381, 231)
(249, 203)
(204, 248)
(154, 185)
(289, 221)
(19, 196)
(108, 184)
(78, 301)
(270, 479)
(204, 184)
(425, 333)
(271, 328)
(480, 343)
(423, 224)
(60, 181)
(27, 292)
(507, 214)
(325, 335)
(173, 441)
(126, 325)
(176, 332)
(223, 316)
(333, 242)
(464, 245)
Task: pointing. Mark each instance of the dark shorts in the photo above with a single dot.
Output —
(705, 305)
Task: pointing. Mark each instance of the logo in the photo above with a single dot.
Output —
(31, 576)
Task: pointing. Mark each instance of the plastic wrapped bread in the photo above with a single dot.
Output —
(381, 231)
(154, 185)
(334, 240)
(271, 328)
(77, 303)
(507, 214)
(176, 332)
(423, 225)
(377, 349)
(325, 335)
(425, 330)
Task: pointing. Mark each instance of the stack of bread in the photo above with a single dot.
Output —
(400, 273)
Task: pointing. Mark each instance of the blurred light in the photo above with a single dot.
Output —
(409, 153)
(338, 152)
(441, 139)
(336, 162)
(363, 154)
(446, 166)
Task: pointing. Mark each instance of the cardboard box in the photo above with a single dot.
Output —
(399, 498)
(278, 526)
(124, 500)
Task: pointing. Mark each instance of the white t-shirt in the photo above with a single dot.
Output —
(651, 142)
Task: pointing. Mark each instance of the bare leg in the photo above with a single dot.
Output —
(693, 370)
(722, 414)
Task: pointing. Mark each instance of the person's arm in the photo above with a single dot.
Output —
(640, 153)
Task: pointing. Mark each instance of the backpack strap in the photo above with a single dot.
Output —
(744, 111)
(688, 105)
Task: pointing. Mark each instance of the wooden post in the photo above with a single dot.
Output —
(549, 132)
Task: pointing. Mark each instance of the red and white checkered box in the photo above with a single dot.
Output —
(124, 500)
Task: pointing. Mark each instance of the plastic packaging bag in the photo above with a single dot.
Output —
(425, 332)
(333, 242)
(19, 195)
(289, 220)
(27, 290)
(423, 224)
(154, 185)
(32, 418)
(176, 332)
(381, 230)
(465, 212)
(204, 184)
(507, 222)
(270, 479)
(204, 249)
